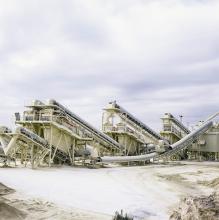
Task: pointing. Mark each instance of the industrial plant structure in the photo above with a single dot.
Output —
(50, 133)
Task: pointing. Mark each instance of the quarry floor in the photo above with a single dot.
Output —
(145, 192)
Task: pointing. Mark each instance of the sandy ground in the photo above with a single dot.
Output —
(146, 192)
(16, 206)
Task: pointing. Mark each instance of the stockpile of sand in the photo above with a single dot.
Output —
(4, 190)
(8, 212)
(197, 208)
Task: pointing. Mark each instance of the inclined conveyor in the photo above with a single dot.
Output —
(138, 122)
(188, 139)
(174, 148)
(10, 140)
(59, 154)
(87, 126)
(180, 124)
(26, 135)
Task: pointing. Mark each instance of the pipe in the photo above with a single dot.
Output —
(212, 116)
(188, 139)
(194, 134)
(118, 159)
(179, 145)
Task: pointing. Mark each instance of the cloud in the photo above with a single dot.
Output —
(151, 56)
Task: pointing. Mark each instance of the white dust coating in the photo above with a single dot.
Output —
(145, 192)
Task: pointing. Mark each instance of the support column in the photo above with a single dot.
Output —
(32, 156)
(50, 146)
(22, 155)
(73, 152)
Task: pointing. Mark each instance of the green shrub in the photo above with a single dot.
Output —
(120, 216)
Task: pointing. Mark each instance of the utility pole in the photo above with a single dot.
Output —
(181, 117)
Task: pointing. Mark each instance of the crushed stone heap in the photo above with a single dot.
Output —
(198, 208)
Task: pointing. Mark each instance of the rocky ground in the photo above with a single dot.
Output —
(199, 207)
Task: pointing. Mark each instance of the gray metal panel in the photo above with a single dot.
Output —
(212, 143)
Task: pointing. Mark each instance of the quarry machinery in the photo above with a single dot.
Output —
(135, 136)
(185, 142)
(28, 146)
(207, 146)
(56, 134)
(50, 132)
(173, 129)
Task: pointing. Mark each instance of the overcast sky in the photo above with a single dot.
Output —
(152, 56)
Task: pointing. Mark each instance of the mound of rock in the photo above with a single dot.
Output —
(4, 190)
(197, 208)
(8, 212)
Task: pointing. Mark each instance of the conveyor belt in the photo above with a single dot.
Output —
(29, 136)
(180, 124)
(188, 139)
(59, 154)
(139, 123)
(96, 134)
(176, 147)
